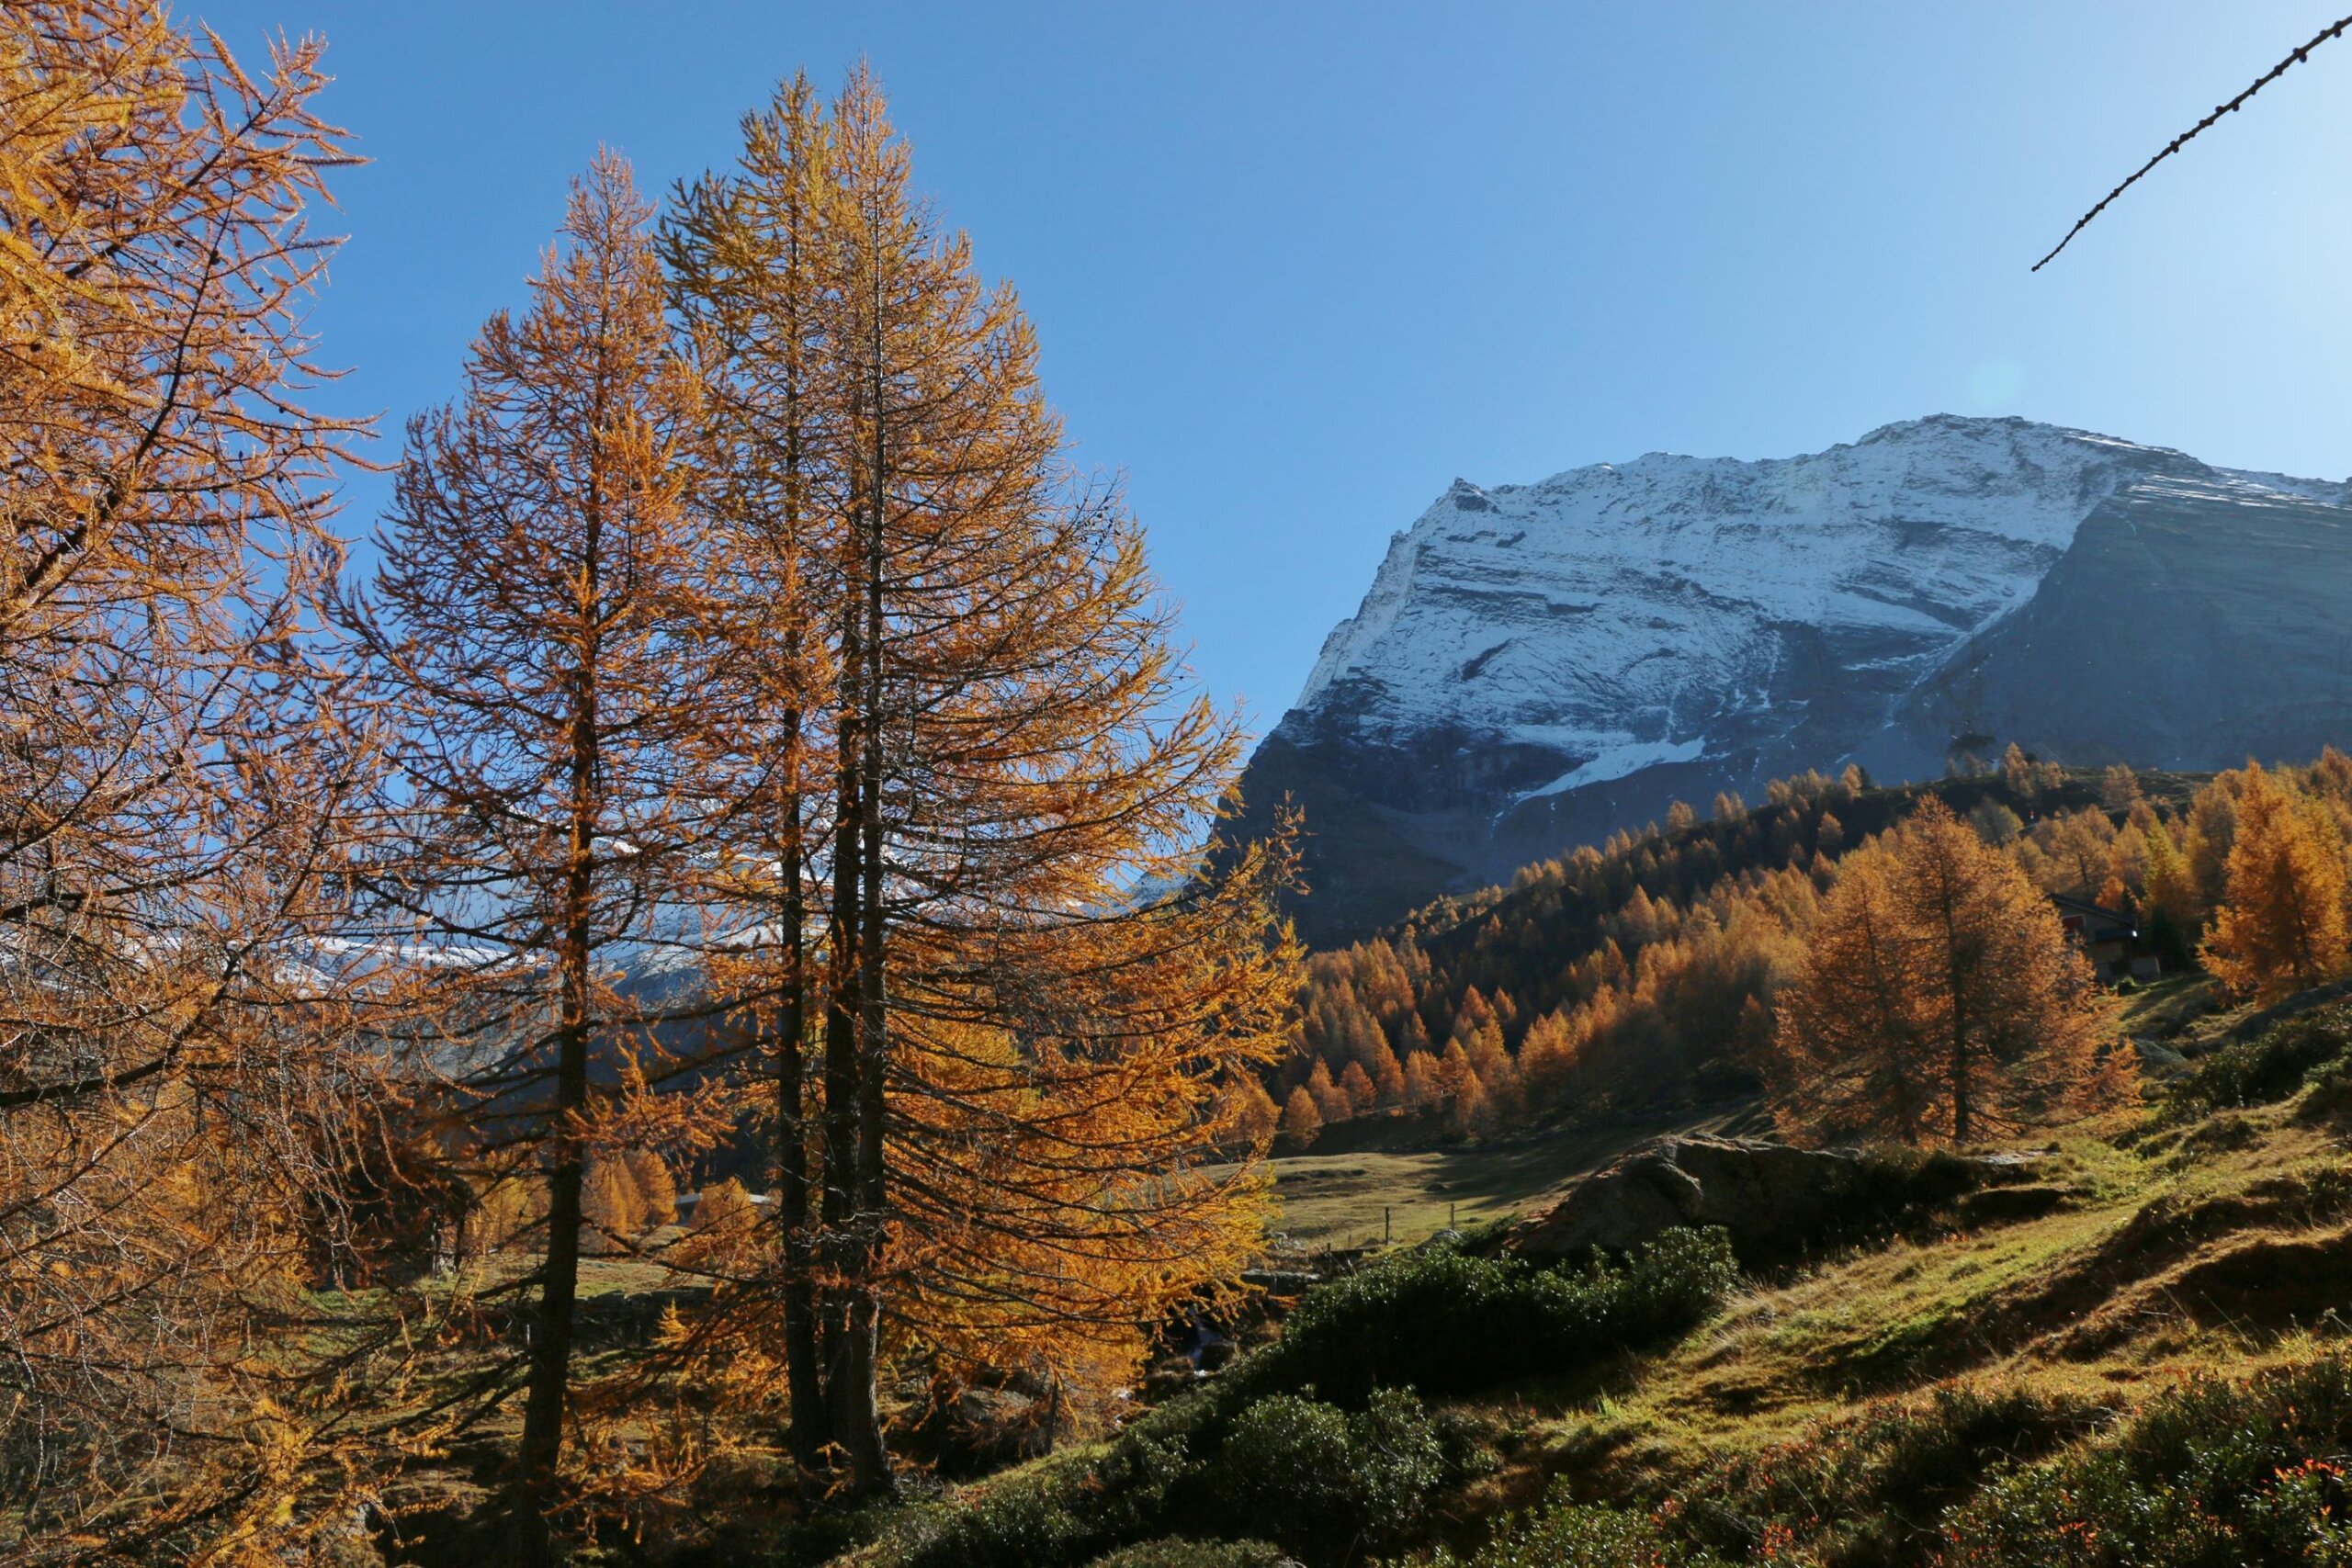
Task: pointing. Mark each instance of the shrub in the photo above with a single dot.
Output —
(1322, 1481)
(1567, 1535)
(1314, 1442)
(1326, 1484)
(2216, 1472)
(1442, 1322)
(1175, 1553)
(1870, 1489)
(2329, 1093)
(2269, 1067)
(1026, 1524)
(1289, 1453)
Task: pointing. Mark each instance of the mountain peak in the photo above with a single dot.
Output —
(1537, 663)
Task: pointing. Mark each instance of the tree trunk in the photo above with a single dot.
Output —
(539, 1453)
(860, 1432)
(1960, 1069)
(841, 1112)
(1957, 980)
(802, 1375)
(810, 1429)
(849, 1366)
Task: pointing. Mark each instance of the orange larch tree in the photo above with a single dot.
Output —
(1301, 1121)
(1850, 1039)
(751, 262)
(1939, 999)
(1029, 763)
(2281, 924)
(174, 765)
(1031, 997)
(2171, 887)
(541, 627)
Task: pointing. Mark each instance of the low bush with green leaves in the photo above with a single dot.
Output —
(1326, 1484)
(1037, 1520)
(2269, 1067)
(1567, 1535)
(1444, 1322)
(1321, 1443)
(2219, 1474)
(1176, 1554)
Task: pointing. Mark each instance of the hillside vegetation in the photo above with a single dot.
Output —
(1640, 976)
(2133, 1358)
(2148, 1370)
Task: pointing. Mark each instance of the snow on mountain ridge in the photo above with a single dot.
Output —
(1592, 609)
(1782, 539)
(1538, 665)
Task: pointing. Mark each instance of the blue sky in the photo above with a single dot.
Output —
(1295, 266)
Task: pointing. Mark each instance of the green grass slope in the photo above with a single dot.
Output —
(2153, 1370)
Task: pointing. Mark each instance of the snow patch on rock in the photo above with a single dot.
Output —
(1630, 756)
(1622, 584)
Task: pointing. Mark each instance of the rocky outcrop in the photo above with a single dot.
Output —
(1535, 666)
(1774, 1200)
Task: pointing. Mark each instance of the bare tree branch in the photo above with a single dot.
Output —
(2335, 30)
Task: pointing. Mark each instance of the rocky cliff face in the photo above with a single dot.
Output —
(1537, 665)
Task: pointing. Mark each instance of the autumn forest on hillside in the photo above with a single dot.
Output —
(1648, 969)
(694, 993)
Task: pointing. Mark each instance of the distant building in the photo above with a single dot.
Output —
(2110, 939)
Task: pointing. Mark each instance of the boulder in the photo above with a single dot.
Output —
(1774, 1200)
(1766, 1194)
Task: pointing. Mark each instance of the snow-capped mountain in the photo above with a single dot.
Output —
(1536, 665)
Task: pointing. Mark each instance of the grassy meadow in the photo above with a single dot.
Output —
(1856, 1407)
(1394, 1186)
